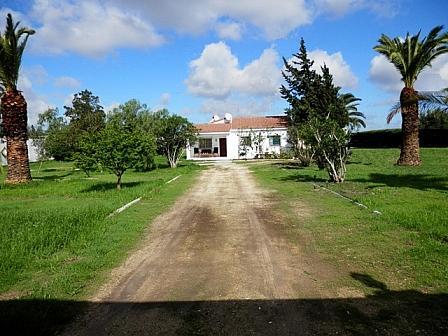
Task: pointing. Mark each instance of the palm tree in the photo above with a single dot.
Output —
(427, 102)
(410, 57)
(13, 104)
(356, 118)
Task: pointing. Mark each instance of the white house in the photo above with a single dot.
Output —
(240, 138)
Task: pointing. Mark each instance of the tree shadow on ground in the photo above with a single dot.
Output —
(106, 186)
(302, 178)
(385, 312)
(52, 177)
(359, 162)
(421, 182)
(288, 165)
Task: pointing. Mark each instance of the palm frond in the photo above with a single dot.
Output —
(410, 56)
(433, 100)
(12, 45)
(427, 101)
(396, 109)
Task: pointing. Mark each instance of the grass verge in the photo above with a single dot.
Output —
(406, 248)
(57, 242)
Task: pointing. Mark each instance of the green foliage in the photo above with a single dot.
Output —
(434, 119)
(120, 145)
(173, 134)
(62, 140)
(12, 46)
(412, 55)
(53, 136)
(320, 116)
(86, 114)
(57, 240)
(86, 118)
(86, 155)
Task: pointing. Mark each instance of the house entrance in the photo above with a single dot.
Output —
(222, 147)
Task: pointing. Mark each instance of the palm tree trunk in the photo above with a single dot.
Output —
(13, 107)
(410, 147)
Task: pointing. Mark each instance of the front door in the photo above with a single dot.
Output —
(222, 147)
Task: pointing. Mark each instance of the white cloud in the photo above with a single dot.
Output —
(243, 106)
(387, 77)
(95, 27)
(36, 103)
(435, 77)
(384, 74)
(67, 82)
(217, 74)
(90, 28)
(274, 20)
(229, 30)
(342, 74)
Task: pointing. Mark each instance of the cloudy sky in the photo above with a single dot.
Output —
(201, 57)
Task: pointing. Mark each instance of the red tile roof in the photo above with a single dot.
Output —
(212, 128)
(244, 122)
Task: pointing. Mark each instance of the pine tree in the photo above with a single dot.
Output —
(318, 115)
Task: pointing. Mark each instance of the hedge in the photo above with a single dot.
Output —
(391, 138)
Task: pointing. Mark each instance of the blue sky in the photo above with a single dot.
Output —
(200, 57)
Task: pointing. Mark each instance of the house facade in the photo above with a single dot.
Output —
(240, 138)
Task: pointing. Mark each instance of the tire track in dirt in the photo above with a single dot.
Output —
(220, 243)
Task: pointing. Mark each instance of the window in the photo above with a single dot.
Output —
(205, 143)
(274, 140)
(246, 141)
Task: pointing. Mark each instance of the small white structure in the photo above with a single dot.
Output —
(240, 138)
(32, 151)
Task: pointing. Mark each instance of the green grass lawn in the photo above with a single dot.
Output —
(406, 247)
(56, 239)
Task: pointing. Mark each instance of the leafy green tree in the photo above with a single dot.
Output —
(319, 115)
(86, 114)
(86, 156)
(13, 106)
(118, 147)
(57, 136)
(300, 93)
(137, 118)
(173, 135)
(410, 56)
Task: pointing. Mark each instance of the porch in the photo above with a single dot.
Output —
(209, 147)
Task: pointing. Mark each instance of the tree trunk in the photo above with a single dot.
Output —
(410, 147)
(14, 115)
(119, 181)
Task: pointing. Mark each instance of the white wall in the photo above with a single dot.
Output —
(215, 143)
(32, 151)
(265, 147)
(233, 142)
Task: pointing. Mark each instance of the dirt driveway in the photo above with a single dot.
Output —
(217, 263)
